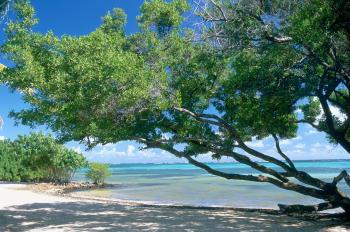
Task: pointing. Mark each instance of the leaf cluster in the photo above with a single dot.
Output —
(37, 157)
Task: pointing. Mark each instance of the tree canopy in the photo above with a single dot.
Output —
(244, 74)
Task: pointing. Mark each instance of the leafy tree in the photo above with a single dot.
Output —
(256, 63)
(98, 173)
(38, 157)
(43, 159)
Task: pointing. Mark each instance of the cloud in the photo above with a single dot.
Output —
(289, 141)
(77, 149)
(300, 146)
(337, 113)
(311, 131)
(130, 149)
(299, 111)
(317, 145)
(256, 144)
(2, 138)
(127, 152)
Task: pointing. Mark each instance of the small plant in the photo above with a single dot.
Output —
(98, 172)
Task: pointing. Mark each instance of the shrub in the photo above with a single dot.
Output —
(37, 157)
(98, 172)
(9, 164)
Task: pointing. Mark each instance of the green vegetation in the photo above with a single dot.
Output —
(245, 75)
(37, 157)
(98, 173)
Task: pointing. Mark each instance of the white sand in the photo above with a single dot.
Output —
(22, 210)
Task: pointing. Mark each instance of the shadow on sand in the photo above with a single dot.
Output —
(90, 216)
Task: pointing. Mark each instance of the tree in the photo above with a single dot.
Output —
(98, 173)
(256, 63)
(37, 157)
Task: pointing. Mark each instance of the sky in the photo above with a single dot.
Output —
(79, 17)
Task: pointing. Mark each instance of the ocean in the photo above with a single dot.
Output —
(184, 184)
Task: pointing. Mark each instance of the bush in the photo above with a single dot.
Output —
(98, 172)
(9, 163)
(37, 157)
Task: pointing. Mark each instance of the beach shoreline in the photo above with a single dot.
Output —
(24, 210)
(73, 190)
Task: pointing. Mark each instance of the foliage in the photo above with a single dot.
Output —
(98, 173)
(9, 164)
(245, 75)
(37, 157)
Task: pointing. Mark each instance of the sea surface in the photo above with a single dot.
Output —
(184, 184)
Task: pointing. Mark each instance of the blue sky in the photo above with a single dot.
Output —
(80, 17)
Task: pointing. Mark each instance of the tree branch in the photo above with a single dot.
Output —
(321, 194)
(289, 185)
(234, 134)
(279, 150)
(219, 8)
(343, 175)
(306, 208)
(310, 123)
(301, 176)
(338, 136)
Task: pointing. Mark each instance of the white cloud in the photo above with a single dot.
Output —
(300, 146)
(77, 149)
(317, 145)
(337, 113)
(130, 150)
(2, 138)
(310, 132)
(290, 141)
(256, 144)
(299, 111)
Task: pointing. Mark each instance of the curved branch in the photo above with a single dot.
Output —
(338, 136)
(245, 160)
(285, 185)
(310, 123)
(289, 185)
(234, 134)
(343, 175)
(279, 150)
(220, 9)
(301, 176)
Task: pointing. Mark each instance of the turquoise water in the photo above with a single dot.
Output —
(185, 184)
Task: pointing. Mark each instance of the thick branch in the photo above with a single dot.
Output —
(234, 134)
(306, 208)
(289, 185)
(310, 123)
(343, 175)
(339, 137)
(279, 150)
(245, 160)
(285, 185)
(301, 176)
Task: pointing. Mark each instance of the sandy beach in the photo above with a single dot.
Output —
(23, 210)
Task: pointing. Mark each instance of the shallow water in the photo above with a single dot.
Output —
(185, 184)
